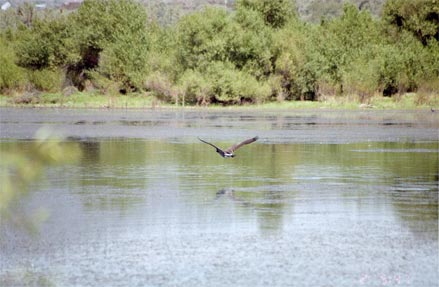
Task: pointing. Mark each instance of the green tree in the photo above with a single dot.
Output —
(340, 41)
(293, 62)
(12, 77)
(163, 48)
(115, 30)
(249, 47)
(232, 53)
(420, 17)
(413, 27)
(202, 38)
(275, 13)
(48, 43)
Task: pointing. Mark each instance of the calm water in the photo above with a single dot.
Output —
(322, 199)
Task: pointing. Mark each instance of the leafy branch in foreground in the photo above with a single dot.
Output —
(19, 170)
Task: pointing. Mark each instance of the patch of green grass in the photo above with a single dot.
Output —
(409, 101)
(4, 101)
(81, 100)
(139, 101)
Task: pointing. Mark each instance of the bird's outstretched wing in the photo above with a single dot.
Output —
(237, 146)
(217, 148)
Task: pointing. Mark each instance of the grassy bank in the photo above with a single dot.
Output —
(408, 101)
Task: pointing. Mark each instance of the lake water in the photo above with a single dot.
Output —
(323, 198)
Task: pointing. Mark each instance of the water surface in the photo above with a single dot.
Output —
(322, 199)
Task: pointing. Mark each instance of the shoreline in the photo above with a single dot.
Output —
(140, 102)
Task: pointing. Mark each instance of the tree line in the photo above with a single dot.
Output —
(261, 51)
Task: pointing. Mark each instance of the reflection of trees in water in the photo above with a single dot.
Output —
(416, 205)
(254, 175)
(118, 174)
(268, 205)
(90, 151)
(365, 165)
(242, 174)
(271, 211)
(107, 178)
(407, 171)
(412, 183)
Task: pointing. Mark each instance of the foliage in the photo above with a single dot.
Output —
(230, 52)
(11, 75)
(249, 47)
(47, 44)
(46, 80)
(112, 38)
(161, 86)
(232, 86)
(19, 170)
(292, 54)
(260, 52)
(224, 84)
(342, 41)
(100, 22)
(162, 55)
(195, 88)
(202, 38)
(275, 13)
(420, 17)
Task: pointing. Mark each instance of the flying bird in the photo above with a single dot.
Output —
(230, 151)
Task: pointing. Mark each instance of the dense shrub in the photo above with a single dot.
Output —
(274, 13)
(47, 80)
(162, 87)
(12, 77)
(340, 42)
(112, 38)
(229, 85)
(292, 57)
(47, 44)
(202, 38)
(419, 17)
(249, 46)
(195, 88)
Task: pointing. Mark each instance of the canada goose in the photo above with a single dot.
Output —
(230, 151)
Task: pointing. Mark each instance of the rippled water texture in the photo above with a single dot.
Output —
(323, 198)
